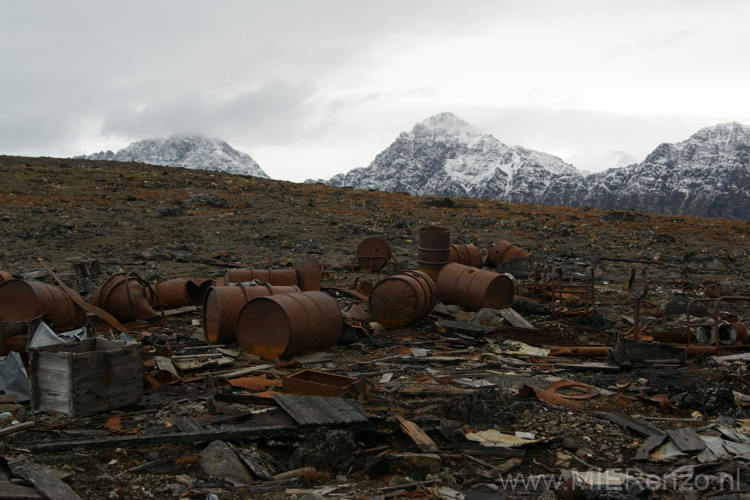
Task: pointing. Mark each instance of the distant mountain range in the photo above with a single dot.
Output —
(705, 175)
(189, 151)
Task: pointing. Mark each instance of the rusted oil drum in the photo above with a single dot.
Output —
(468, 255)
(5, 277)
(282, 325)
(278, 277)
(473, 288)
(127, 297)
(402, 298)
(503, 251)
(24, 300)
(373, 253)
(308, 275)
(180, 292)
(433, 250)
(222, 304)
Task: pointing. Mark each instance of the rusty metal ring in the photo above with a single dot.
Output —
(556, 386)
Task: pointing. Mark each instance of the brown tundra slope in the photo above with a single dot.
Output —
(164, 223)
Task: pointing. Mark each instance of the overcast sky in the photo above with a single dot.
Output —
(314, 88)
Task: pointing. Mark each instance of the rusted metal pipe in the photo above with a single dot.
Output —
(402, 299)
(282, 325)
(22, 300)
(222, 304)
(474, 288)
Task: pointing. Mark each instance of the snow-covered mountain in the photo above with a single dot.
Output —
(706, 175)
(189, 151)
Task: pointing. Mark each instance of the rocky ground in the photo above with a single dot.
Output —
(446, 375)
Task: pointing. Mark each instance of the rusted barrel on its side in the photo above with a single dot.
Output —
(503, 251)
(127, 297)
(5, 277)
(277, 277)
(468, 255)
(222, 304)
(403, 298)
(433, 250)
(180, 292)
(282, 325)
(24, 300)
(474, 288)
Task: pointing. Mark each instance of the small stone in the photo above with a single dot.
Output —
(570, 444)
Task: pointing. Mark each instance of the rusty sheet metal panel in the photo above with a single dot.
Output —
(433, 250)
(402, 298)
(180, 292)
(474, 288)
(309, 382)
(282, 325)
(503, 251)
(222, 304)
(468, 255)
(25, 300)
(127, 297)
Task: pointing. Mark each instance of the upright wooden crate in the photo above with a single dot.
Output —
(87, 377)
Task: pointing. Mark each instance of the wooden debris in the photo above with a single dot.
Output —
(650, 444)
(420, 437)
(515, 319)
(43, 480)
(317, 410)
(686, 439)
(640, 426)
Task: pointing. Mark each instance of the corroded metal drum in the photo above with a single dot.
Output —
(282, 325)
(468, 255)
(181, 292)
(373, 253)
(433, 250)
(474, 288)
(127, 297)
(503, 251)
(222, 304)
(402, 299)
(278, 277)
(24, 300)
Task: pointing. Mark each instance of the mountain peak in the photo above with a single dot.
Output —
(445, 121)
(188, 151)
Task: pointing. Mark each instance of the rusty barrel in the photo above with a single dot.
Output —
(222, 304)
(282, 325)
(127, 297)
(180, 292)
(473, 288)
(373, 253)
(402, 298)
(433, 250)
(5, 277)
(503, 251)
(24, 300)
(468, 255)
(278, 277)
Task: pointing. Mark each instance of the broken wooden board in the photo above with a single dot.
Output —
(649, 445)
(640, 426)
(46, 483)
(686, 439)
(318, 410)
(420, 437)
(511, 316)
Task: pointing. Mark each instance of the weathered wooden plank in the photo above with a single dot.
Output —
(44, 481)
(238, 432)
(15, 428)
(686, 439)
(650, 444)
(12, 491)
(511, 316)
(631, 423)
(420, 437)
(318, 410)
